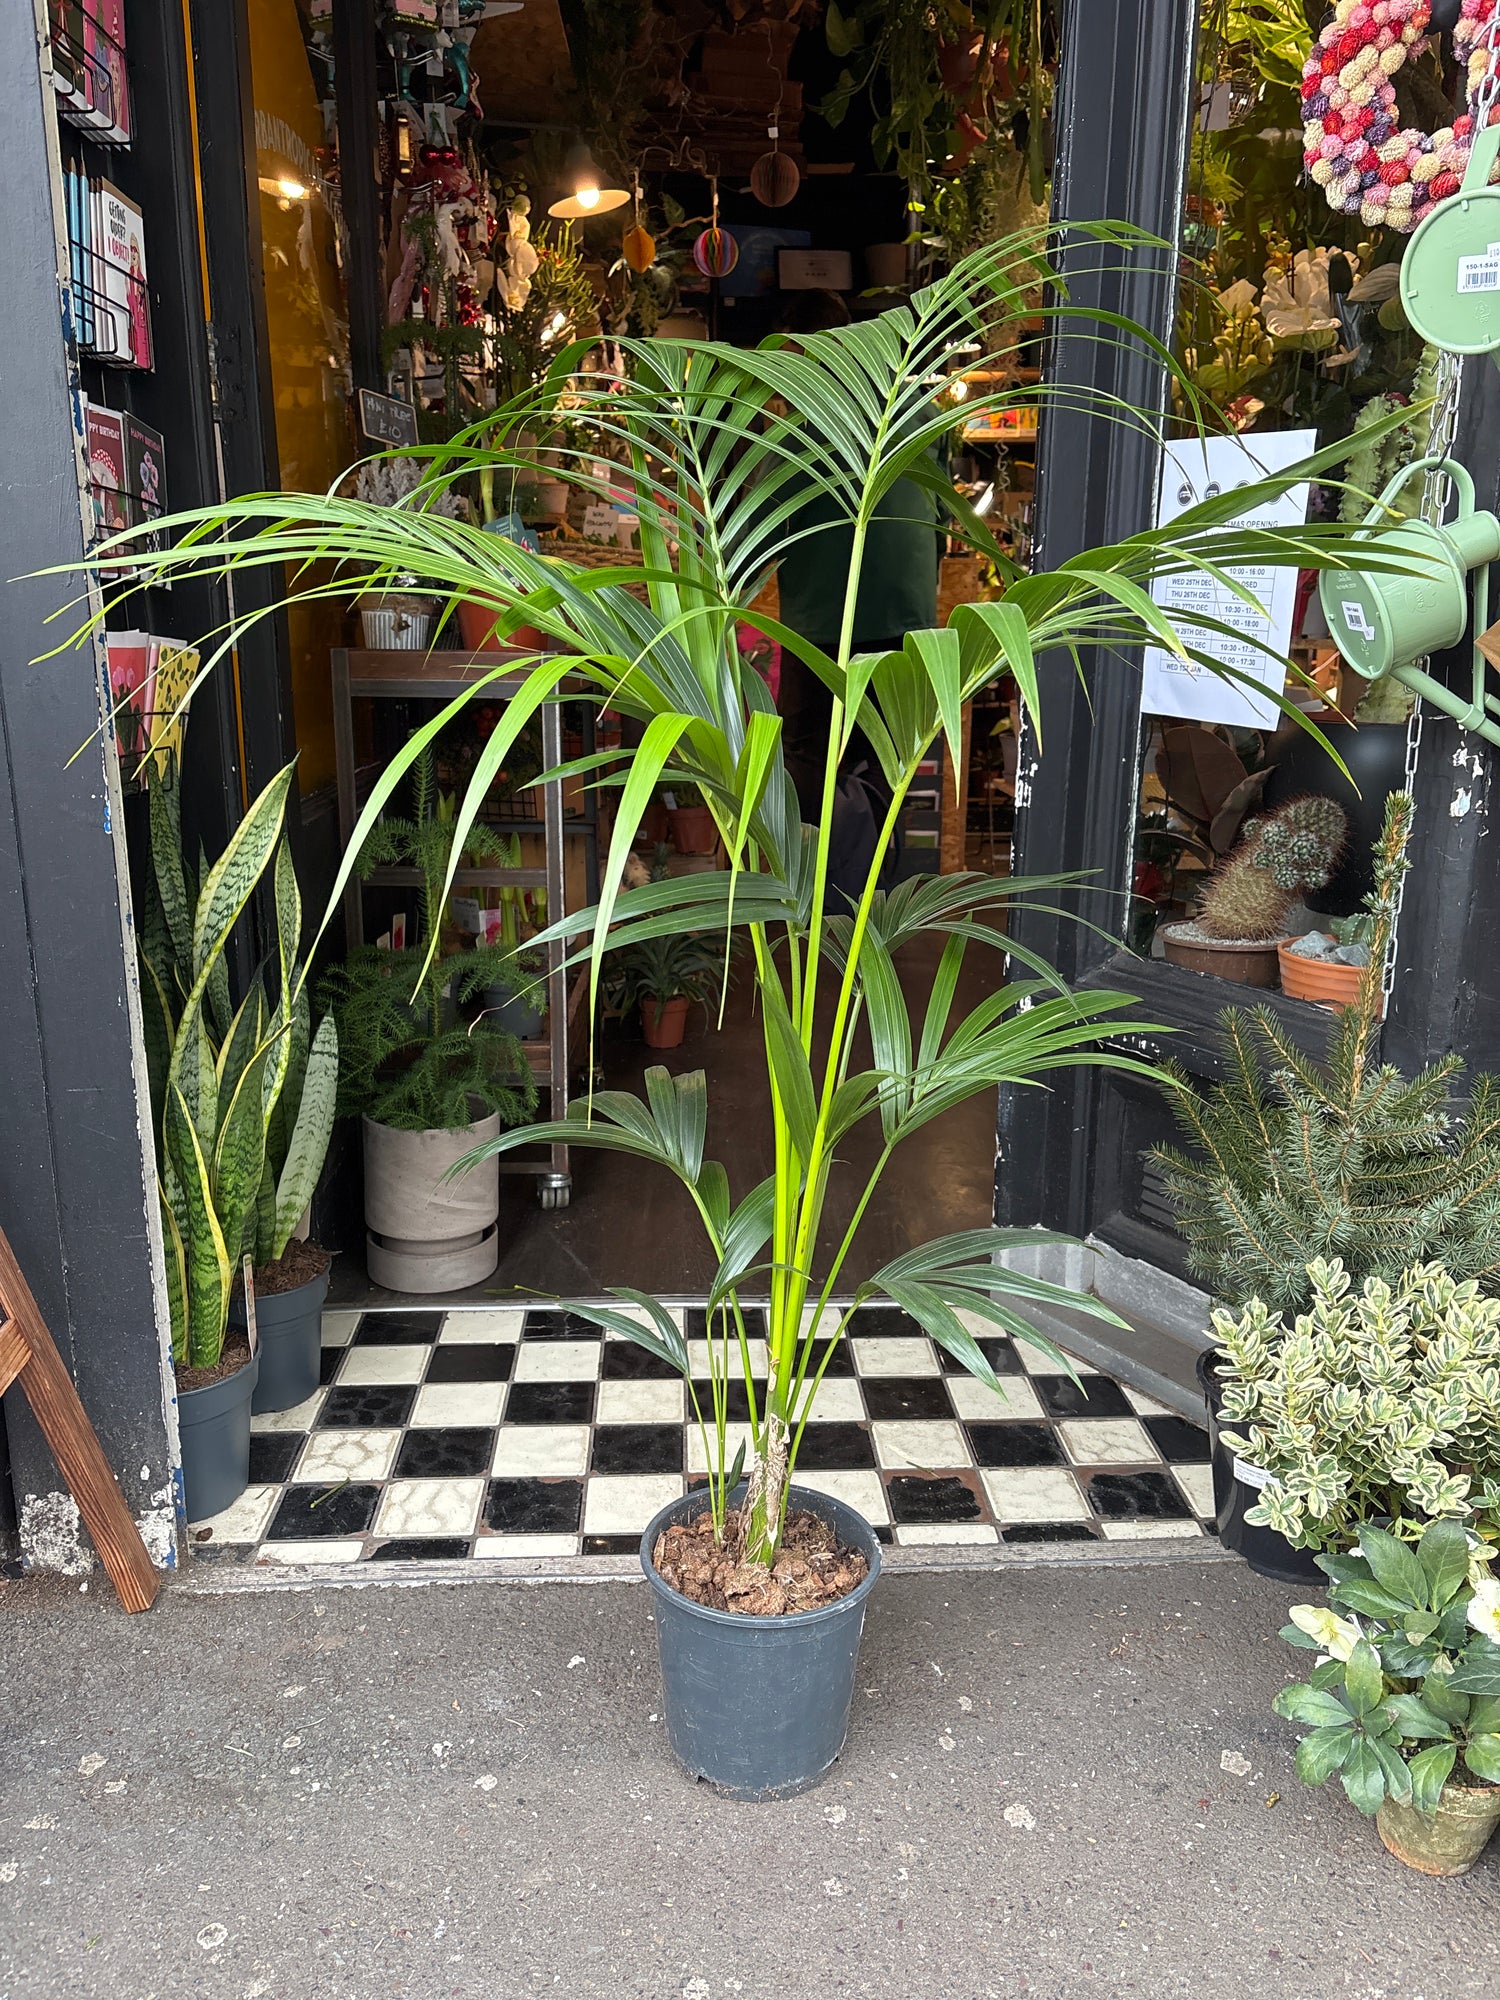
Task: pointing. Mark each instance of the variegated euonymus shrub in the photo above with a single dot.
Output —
(1375, 1403)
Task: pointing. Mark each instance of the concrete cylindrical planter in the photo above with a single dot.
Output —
(214, 1425)
(425, 1233)
(290, 1329)
(664, 1022)
(1324, 981)
(693, 830)
(759, 1707)
(1452, 1840)
(1237, 1486)
(1247, 962)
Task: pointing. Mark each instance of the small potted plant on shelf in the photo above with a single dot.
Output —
(1404, 1703)
(427, 1085)
(1244, 906)
(664, 977)
(217, 1075)
(689, 820)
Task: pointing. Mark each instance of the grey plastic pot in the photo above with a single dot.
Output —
(759, 1707)
(214, 1426)
(517, 1013)
(290, 1327)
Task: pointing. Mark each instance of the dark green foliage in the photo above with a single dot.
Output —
(410, 1059)
(664, 967)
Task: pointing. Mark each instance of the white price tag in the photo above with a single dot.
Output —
(252, 1331)
(1250, 1475)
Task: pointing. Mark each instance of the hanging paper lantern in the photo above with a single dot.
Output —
(774, 179)
(716, 253)
(638, 248)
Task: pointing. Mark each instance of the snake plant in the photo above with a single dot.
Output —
(721, 450)
(242, 1098)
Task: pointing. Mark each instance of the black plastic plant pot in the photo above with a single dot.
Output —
(214, 1425)
(1236, 1488)
(290, 1327)
(759, 1707)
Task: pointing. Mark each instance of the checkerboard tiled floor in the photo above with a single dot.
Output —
(480, 1433)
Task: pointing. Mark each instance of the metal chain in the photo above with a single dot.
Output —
(1488, 93)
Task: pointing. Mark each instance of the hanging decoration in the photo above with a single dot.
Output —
(638, 245)
(774, 178)
(1352, 147)
(716, 253)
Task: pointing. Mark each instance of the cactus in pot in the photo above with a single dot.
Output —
(1243, 908)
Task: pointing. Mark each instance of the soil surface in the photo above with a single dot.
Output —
(299, 1264)
(234, 1356)
(812, 1568)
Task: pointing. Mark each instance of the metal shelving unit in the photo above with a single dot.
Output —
(412, 676)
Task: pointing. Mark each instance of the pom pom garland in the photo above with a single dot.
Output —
(1352, 147)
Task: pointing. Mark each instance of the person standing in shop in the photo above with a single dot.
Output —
(897, 595)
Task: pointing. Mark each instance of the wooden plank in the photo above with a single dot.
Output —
(14, 1354)
(49, 1389)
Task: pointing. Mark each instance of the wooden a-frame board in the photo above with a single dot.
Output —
(29, 1359)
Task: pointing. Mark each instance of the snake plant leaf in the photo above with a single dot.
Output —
(177, 1278)
(311, 1133)
(281, 1114)
(243, 1043)
(225, 890)
(239, 1157)
(157, 1029)
(164, 808)
(209, 1271)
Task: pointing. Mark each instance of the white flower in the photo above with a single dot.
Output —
(1334, 1635)
(1484, 1609)
(1297, 306)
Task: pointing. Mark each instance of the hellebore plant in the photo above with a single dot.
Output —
(722, 450)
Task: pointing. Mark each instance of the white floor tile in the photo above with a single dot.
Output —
(920, 1446)
(458, 1405)
(1146, 1406)
(640, 1403)
(311, 1552)
(245, 1519)
(838, 1401)
(429, 1507)
(1034, 1493)
(526, 1545)
(623, 1503)
(333, 1455)
(300, 1418)
(1197, 1482)
(367, 1365)
(558, 1361)
(862, 1491)
(627, 1311)
(977, 1404)
(1108, 1441)
(934, 1534)
(338, 1328)
(541, 1451)
(698, 1362)
(1036, 1363)
(735, 1436)
(475, 1326)
(1150, 1531)
(828, 1320)
(894, 1354)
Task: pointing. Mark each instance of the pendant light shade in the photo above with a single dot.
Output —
(588, 196)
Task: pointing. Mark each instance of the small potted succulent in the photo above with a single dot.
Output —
(1404, 1703)
(689, 819)
(664, 977)
(1244, 906)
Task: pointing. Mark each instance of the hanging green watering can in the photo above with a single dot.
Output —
(1384, 621)
(1450, 274)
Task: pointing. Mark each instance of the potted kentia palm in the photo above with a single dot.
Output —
(760, 1586)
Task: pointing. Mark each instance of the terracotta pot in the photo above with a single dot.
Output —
(1248, 964)
(1323, 981)
(1452, 1840)
(476, 625)
(664, 1022)
(693, 830)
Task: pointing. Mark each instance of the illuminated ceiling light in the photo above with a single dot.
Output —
(985, 501)
(292, 190)
(587, 198)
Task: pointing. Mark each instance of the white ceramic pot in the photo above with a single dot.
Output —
(425, 1233)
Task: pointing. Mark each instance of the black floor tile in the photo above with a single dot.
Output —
(995, 1348)
(611, 1545)
(550, 1403)
(884, 1534)
(416, 1548)
(1089, 1396)
(835, 1448)
(736, 1398)
(329, 1361)
(914, 1498)
(1137, 1496)
(553, 1325)
(1048, 1531)
(366, 1406)
(387, 1329)
(1178, 1441)
(444, 1454)
(1014, 1444)
(695, 1324)
(308, 1513)
(637, 1448)
(625, 1362)
(484, 1361)
(534, 1506)
(273, 1454)
(891, 1397)
(840, 1362)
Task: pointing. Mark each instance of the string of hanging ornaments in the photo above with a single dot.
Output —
(1353, 148)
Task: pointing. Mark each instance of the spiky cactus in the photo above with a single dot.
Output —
(1281, 857)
